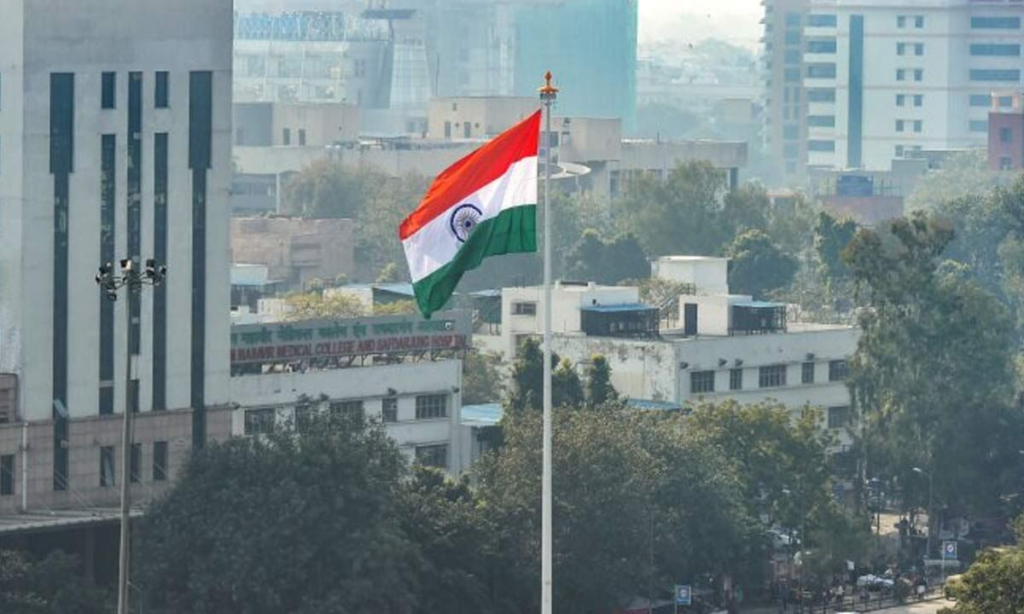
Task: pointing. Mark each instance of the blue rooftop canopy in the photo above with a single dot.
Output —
(618, 308)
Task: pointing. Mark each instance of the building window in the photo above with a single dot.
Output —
(918, 74)
(901, 48)
(302, 137)
(821, 46)
(981, 100)
(825, 146)
(524, 309)
(978, 125)
(821, 95)
(899, 151)
(432, 456)
(792, 75)
(1005, 135)
(995, 74)
(347, 408)
(702, 381)
(901, 74)
(772, 376)
(107, 466)
(286, 136)
(1004, 102)
(821, 21)
(919, 22)
(918, 125)
(1005, 163)
(161, 93)
(838, 370)
(901, 21)
(7, 474)
(996, 50)
(135, 464)
(108, 92)
(259, 421)
(389, 409)
(792, 56)
(735, 379)
(899, 125)
(821, 71)
(996, 23)
(918, 49)
(807, 373)
(838, 417)
(793, 20)
(918, 100)
(159, 461)
(900, 99)
(431, 406)
(821, 121)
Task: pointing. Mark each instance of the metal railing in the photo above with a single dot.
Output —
(869, 602)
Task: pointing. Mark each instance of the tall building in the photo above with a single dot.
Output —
(785, 106)
(115, 135)
(885, 79)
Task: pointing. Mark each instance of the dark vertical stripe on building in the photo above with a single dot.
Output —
(62, 145)
(200, 137)
(135, 214)
(108, 216)
(855, 127)
(160, 255)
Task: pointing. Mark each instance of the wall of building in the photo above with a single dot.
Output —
(369, 384)
(296, 250)
(707, 275)
(1006, 140)
(476, 117)
(640, 369)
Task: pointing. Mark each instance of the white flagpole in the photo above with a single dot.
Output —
(548, 94)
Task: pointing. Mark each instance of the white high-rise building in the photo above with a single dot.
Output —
(884, 78)
(115, 125)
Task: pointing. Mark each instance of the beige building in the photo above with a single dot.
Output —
(295, 250)
(476, 117)
(311, 124)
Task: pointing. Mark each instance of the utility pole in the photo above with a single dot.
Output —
(133, 280)
(931, 490)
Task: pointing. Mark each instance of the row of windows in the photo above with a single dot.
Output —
(821, 46)
(995, 23)
(161, 91)
(902, 125)
(902, 21)
(821, 95)
(985, 100)
(995, 74)
(428, 407)
(901, 150)
(918, 48)
(821, 121)
(770, 376)
(286, 136)
(821, 71)
(903, 100)
(108, 463)
(991, 49)
(821, 21)
(820, 145)
(903, 74)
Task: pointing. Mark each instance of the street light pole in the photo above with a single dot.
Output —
(132, 279)
(931, 490)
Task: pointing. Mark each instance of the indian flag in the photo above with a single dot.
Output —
(483, 205)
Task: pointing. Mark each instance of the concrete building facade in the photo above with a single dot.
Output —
(296, 250)
(116, 128)
(785, 105)
(1006, 132)
(887, 79)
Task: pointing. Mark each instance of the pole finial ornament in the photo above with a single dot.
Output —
(548, 91)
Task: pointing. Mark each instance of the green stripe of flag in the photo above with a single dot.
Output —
(514, 230)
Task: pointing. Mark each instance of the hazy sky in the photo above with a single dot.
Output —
(735, 20)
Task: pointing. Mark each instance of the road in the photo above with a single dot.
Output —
(928, 607)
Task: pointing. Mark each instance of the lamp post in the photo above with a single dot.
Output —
(931, 483)
(132, 279)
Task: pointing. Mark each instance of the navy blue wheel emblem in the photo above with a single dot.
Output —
(463, 220)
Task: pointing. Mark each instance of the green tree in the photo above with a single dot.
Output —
(566, 388)
(322, 305)
(757, 266)
(388, 274)
(963, 174)
(933, 373)
(599, 382)
(831, 236)
(442, 516)
(994, 584)
(680, 215)
(606, 262)
(482, 381)
(645, 467)
(303, 520)
(527, 379)
(327, 188)
(51, 585)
